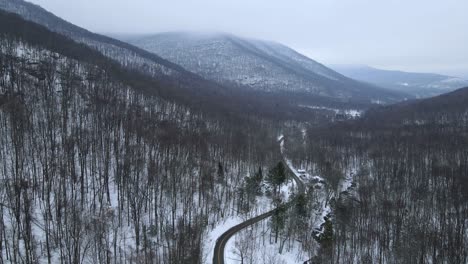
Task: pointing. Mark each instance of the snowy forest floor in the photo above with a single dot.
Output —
(256, 243)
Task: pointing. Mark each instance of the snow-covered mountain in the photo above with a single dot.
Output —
(173, 82)
(417, 84)
(127, 55)
(261, 65)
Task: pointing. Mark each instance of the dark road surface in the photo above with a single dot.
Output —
(218, 256)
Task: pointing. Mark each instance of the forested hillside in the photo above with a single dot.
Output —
(447, 110)
(96, 169)
(407, 202)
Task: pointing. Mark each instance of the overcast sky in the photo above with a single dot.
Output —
(412, 35)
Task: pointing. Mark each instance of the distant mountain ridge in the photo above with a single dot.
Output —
(261, 65)
(417, 84)
(449, 108)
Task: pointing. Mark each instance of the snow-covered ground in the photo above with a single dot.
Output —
(263, 204)
(347, 182)
(257, 236)
(352, 113)
(322, 194)
(210, 237)
(255, 244)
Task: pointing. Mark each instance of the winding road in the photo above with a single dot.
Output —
(218, 256)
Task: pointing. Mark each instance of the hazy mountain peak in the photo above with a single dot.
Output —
(259, 64)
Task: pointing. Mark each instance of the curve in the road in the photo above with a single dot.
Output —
(218, 256)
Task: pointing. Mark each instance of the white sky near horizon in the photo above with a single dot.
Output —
(410, 35)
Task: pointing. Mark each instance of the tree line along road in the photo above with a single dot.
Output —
(218, 256)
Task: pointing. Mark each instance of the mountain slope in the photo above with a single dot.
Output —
(450, 108)
(412, 165)
(417, 84)
(257, 64)
(96, 164)
(163, 78)
(122, 52)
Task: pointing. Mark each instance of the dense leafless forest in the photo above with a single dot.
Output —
(93, 170)
(109, 157)
(408, 200)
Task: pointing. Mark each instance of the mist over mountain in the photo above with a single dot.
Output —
(260, 65)
(180, 85)
(112, 48)
(416, 84)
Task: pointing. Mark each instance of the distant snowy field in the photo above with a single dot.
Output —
(352, 113)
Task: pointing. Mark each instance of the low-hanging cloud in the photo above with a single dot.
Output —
(417, 35)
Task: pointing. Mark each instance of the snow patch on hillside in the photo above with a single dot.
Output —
(257, 246)
(351, 113)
